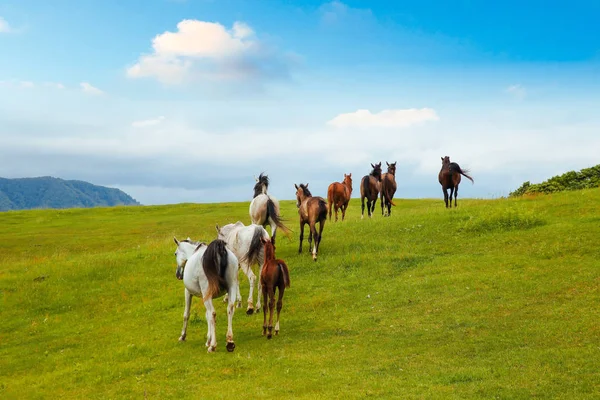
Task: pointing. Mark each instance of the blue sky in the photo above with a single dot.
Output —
(187, 100)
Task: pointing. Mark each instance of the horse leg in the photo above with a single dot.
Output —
(343, 208)
(374, 204)
(211, 320)
(271, 307)
(336, 213)
(455, 194)
(451, 192)
(266, 305)
(318, 238)
(382, 205)
(301, 236)
(362, 207)
(279, 307)
(247, 268)
(313, 234)
(186, 314)
(445, 196)
(230, 345)
(331, 203)
(259, 284)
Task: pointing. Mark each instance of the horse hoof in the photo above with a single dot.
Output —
(211, 349)
(276, 333)
(250, 311)
(230, 346)
(269, 336)
(182, 338)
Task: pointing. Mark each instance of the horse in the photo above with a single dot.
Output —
(274, 274)
(449, 178)
(369, 189)
(264, 208)
(388, 189)
(207, 272)
(338, 196)
(245, 242)
(311, 210)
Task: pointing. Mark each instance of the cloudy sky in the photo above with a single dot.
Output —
(186, 100)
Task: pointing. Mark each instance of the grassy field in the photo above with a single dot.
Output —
(495, 299)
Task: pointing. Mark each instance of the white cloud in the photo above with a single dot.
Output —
(88, 88)
(385, 119)
(201, 50)
(147, 122)
(54, 85)
(4, 26)
(517, 90)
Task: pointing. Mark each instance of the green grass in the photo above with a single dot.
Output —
(494, 299)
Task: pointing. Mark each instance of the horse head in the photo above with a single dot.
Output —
(376, 171)
(302, 193)
(391, 168)
(262, 184)
(445, 161)
(348, 180)
(185, 248)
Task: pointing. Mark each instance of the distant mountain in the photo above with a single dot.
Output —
(48, 192)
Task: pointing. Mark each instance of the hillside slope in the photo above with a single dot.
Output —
(494, 299)
(48, 192)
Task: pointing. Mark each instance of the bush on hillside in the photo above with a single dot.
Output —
(587, 178)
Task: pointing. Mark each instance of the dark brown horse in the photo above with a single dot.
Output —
(449, 178)
(274, 274)
(338, 196)
(369, 189)
(388, 189)
(311, 210)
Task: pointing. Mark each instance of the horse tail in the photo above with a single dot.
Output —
(272, 212)
(214, 264)
(454, 167)
(255, 246)
(322, 210)
(285, 273)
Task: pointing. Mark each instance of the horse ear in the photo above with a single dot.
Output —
(372, 165)
(442, 158)
(296, 186)
(217, 227)
(306, 186)
(175, 240)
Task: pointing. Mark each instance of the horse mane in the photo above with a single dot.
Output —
(195, 243)
(305, 190)
(261, 185)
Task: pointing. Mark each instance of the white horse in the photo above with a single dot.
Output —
(207, 272)
(245, 243)
(264, 208)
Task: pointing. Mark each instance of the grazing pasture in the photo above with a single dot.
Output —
(493, 299)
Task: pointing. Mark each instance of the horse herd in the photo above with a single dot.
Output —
(211, 271)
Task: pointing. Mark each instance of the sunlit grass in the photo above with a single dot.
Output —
(493, 299)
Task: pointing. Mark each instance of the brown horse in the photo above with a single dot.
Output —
(338, 196)
(388, 189)
(449, 178)
(369, 189)
(273, 275)
(311, 210)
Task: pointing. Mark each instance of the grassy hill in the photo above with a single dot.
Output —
(49, 192)
(494, 299)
